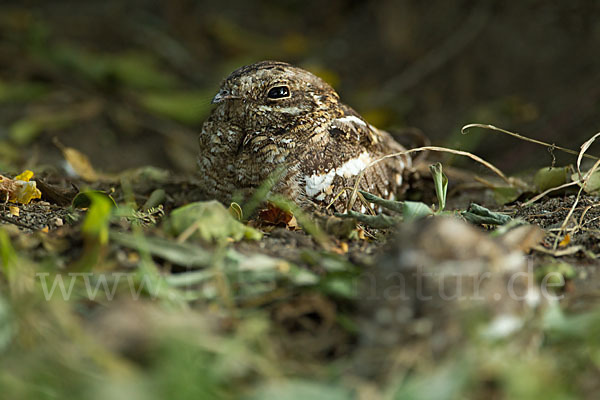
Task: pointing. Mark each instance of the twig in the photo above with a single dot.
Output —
(418, 149)
(585, 180)
(545, 192)
(525, 138)
(17, 223)
(584, 148)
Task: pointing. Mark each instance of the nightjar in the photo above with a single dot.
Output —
(272, 115)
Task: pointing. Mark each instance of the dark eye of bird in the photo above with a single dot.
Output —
(278, 92)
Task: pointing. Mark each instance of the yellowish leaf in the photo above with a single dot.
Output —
(19, 190)
(565, 241)
(25, 192)
(81, 164)
(24, 176)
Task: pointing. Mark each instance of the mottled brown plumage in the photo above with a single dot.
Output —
(272, 114)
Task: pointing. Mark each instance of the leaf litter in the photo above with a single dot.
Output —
(304, 275)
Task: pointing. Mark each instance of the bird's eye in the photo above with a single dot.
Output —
(278, 92)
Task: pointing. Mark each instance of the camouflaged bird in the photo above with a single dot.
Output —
(272, 114)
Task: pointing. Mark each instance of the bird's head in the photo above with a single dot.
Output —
(274, 92)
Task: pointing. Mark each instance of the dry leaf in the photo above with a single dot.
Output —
(20, 189)
(342, 249)
(81, 164)
(361, 234)
(565, 241)
(523, 237)
(273, 215)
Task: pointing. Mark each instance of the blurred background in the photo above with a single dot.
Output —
(129, 83)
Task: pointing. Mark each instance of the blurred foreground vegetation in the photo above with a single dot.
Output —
(122, 298)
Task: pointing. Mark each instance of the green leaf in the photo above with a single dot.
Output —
(236, 211)
(21, 91)
(548, 177)
(506, 194)
(479, 215)
(262, 193)
(210, 221)
(8, 256)
(84, 199)
(300, 390)
(139, 71)
(553, 270)
(302, 277)
(156, 198)
(380, 221)
(415, 210)
(593, 182)
(8, 326)
(25, 130)
(132, 69)
(340, 286)
(188, 107)
(444, 383)
(441, 184)
(389, 204)
(97, 218)
(184, 254)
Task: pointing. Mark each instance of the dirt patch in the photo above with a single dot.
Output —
(583, 225)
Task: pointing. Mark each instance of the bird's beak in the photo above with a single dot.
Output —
(222, 96)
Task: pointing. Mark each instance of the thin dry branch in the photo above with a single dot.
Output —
(416, 150)
(545, 192)
(525, 138)
(584, 147)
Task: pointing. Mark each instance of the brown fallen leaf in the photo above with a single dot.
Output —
(524, 237)
(273, 215)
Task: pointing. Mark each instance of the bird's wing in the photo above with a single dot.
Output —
(353, 145)
(352, 128)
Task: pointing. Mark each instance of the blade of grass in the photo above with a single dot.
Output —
(441, 184)
(584, 147)
(183, 254)
(261, 194)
